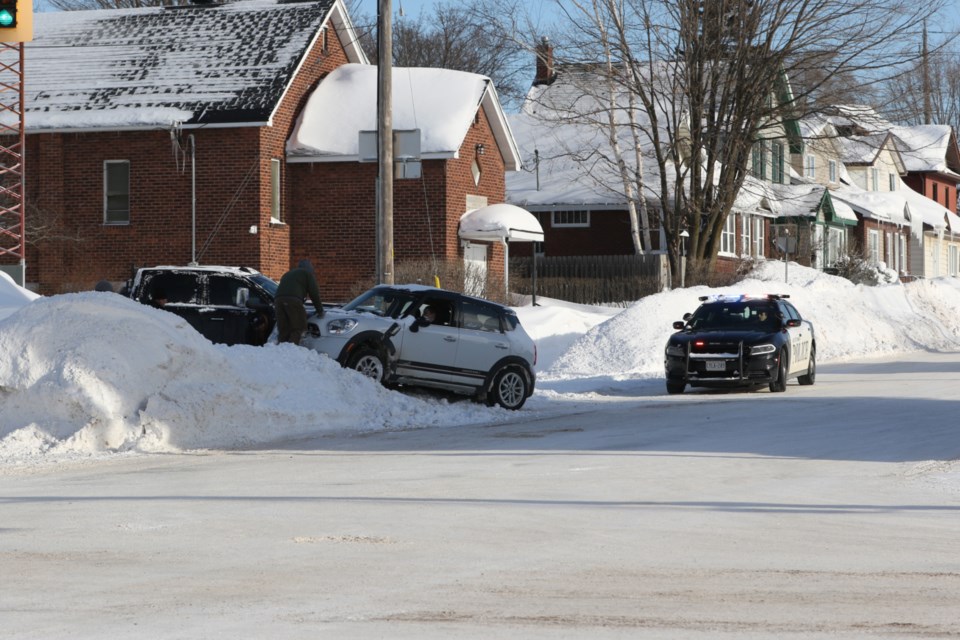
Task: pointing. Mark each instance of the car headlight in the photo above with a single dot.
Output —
(676, 350)
(340, 326)
(762, 349)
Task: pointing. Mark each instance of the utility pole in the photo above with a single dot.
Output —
(925, 68)
(385, 143)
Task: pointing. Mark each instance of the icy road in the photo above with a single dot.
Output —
(830, 511)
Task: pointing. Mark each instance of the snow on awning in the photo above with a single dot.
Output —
(503, 222)
(843, 210)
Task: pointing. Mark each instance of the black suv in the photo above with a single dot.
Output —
(741, 341)
(229, 305)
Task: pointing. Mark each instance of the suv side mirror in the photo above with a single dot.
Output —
(792, 322)
(679, 325)
(242, 296)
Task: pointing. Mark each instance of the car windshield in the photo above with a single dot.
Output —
(269, 285)
(382, 302)
(734, 316)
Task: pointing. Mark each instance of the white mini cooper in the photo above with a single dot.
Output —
(423, 336)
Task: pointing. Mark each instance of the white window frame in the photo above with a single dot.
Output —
(276, 213)
(570, 218)
(953, 260)
(892, 177)
(114, 190)
(875, 178)
(777, 158)
(810, 166)
(746, 224)
(902, 243)
(873, 245)
(758, 238)
(832, 164)
(889, 251)
(728, 236)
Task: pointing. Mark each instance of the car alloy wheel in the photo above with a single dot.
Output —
(368, 362)
(509, 389)
(780, 384)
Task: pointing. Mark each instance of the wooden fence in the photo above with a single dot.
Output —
(591, 279)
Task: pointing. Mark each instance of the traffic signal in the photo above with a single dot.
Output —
(8, 14)
(16, 21)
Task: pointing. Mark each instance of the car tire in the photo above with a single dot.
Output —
(510, 388)
(811, 375)
(780, 384)
(368, 362)
(675, 386)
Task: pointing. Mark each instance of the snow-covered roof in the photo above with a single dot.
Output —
(928, 148)
(863, 150)
(201, 65)
(441, 103)
(886, 206)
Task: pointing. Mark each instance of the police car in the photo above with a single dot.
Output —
(741, 341)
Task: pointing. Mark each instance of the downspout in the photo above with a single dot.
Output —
(193, 200)
(506, 269)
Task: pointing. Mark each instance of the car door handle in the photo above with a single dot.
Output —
(449, 339)
(500, 345)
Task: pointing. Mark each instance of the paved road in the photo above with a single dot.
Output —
(826, 512)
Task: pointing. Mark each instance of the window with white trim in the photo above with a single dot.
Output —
(902, 267)
(810, 166)
(746, 224)
(893, 181)
(570, 219)
(276, 215)
(952, 260)
(776, 155)
(116, 192)
(873, 245)
(759, 157)
(875, 178)
(728, 237)
(758, 238)
(833, 170)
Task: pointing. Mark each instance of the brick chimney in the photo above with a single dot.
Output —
(545, 72)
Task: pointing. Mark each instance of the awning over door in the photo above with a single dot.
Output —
(500, 222)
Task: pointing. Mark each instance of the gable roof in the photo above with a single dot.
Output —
(440, 102)
(198, 65)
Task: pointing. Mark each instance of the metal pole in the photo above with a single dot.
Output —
(385, 141)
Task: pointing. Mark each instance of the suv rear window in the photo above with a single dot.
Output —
(180, 288)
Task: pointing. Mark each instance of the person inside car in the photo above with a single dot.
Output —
(429, 315)
(158, 298)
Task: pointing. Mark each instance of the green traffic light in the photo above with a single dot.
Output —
(6, 18)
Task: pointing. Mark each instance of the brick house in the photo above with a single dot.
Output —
(121, 103)
(455, 144)
(160, 136)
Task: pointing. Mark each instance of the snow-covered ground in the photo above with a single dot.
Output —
(95, 374)
(157, 486)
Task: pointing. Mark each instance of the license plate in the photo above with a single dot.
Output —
(716, 365)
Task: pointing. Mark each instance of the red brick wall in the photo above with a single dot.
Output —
(64, 178)
(333, 212)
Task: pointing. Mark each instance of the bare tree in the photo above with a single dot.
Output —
(710, 78)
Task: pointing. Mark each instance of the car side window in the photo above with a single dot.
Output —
(793, 311)
(179, 288)
(479, 317)
(222, 290)
(443, 311)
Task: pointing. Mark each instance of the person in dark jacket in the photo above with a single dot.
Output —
(295, 285)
